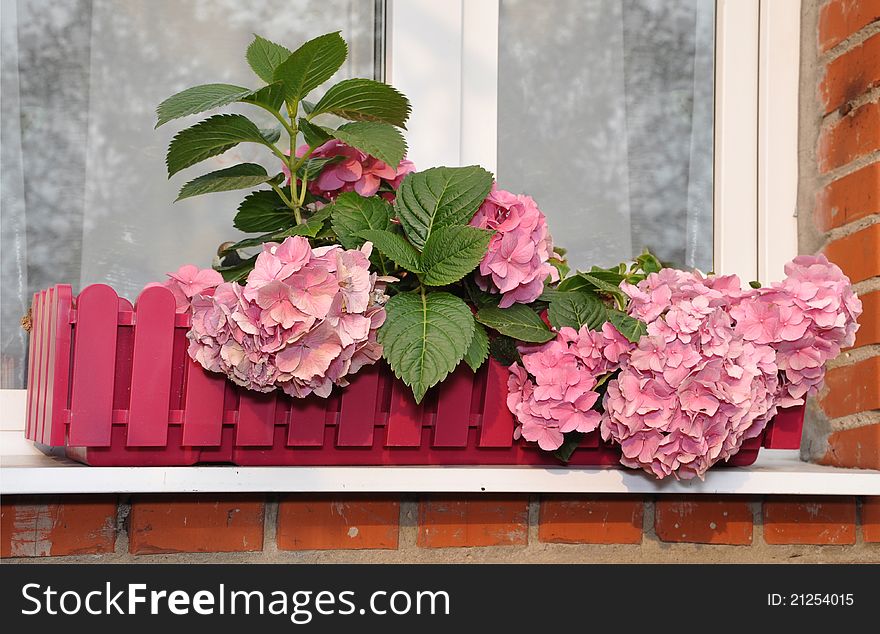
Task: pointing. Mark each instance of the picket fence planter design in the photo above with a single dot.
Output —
(113, 385)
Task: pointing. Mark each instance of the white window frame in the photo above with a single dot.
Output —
(444, 57)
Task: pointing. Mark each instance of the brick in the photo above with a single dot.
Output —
(871, 519)
(839, 19)
(52, 526)
(575, 520)
(447, 522)
(820, 520)
(857, 447)
(696, 519)
(869, 323)
(351, 522)
(851, 75)
(852, 388)
(858, 254)
(853, 136)
(850, 198)
(195, 524)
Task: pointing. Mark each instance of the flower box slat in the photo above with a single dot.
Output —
(151, 369)
(203, 406)
(256, 419)
(113, 384)
(94, 367)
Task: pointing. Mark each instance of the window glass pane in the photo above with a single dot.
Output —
(606, 118)
(86, 197)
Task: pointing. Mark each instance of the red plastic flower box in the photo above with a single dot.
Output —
(113, 385)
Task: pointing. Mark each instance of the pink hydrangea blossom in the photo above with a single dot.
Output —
(516, 263)
(187, 282)
(807, 318)
(305, 320)
(354, 171)
(554, 391)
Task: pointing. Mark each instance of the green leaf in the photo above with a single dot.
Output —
(755, 284)
(519, 321)
(479, 297)
(612, 276)
(453, 252)
(364, 100)
(629, 327)
(576, 309)
(309, 229)
(503, 350)
(312, 168)
(560, 265)
(394, 247)
(208, 138)
(570, 442)
(648, 262)
(351, 213)
(313, 135)
(241, 176)
(271, 134)
(605, 287)
(424, 337)
(440, 197)
(310, 65)
(381, 140)
(262, 211)
(238, 271)
(198, 99)
(265, 56)
(479, 349)
(271, 96)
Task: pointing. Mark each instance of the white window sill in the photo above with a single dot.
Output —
(775, 472)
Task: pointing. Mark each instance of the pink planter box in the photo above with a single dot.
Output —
(113, 385)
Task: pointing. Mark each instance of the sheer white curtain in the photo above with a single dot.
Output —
(85, 193)
(606, 118)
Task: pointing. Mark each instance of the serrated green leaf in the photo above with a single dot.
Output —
(424, 337)
(612, 276)
(309, 229)
(271, 96)
(395, 247)
(351, 213)
(264, 56)
(311, 65)
(199, 99)
(601, 285)
(453, 252)
(238, 271)
(630, 327)
(271, 134)
(242, 176)
(208, 138)
(263, 211)
(570, 442)
(440, 197)
(312, 168)
(381, 140)
(313, 135)
(364, 100)
(519, 321)
(478, 351)
(503, 349)
(576, 309)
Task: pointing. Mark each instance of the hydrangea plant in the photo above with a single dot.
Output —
(361, 256)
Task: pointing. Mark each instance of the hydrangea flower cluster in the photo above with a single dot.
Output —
(306, 320)
(354, 171)
(807, 318)
(693, 389)
(556, 391)
(716, 363)
(516, 263)
(187, 282)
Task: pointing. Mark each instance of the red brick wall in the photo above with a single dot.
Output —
(846, 219)
(440, 528)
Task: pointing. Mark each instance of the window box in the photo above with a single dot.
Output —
(112, 385)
